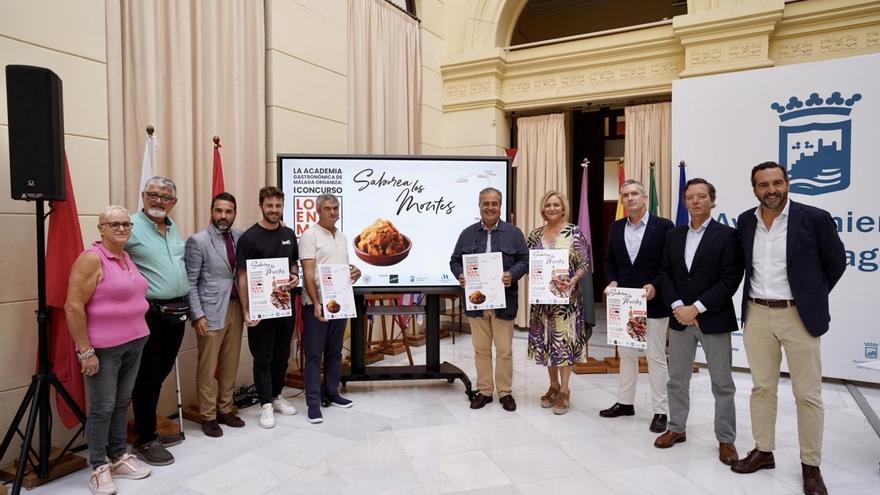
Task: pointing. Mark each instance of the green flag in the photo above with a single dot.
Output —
(653, 202)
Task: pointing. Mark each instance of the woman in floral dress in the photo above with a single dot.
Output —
(557, 338)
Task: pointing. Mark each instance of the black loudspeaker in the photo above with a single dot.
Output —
(36, 133)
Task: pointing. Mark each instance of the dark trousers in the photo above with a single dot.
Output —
(157, 360)
(269, 342)
(109, 395)
(321, 339)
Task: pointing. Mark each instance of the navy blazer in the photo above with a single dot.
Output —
(646, 268)
(814, 257)
(714, 276)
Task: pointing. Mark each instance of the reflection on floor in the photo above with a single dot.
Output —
(421, 438)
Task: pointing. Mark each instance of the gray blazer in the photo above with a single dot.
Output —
(210, 275)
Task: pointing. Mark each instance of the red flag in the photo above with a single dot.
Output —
(621, 178)
(217, 182)
(63, 245)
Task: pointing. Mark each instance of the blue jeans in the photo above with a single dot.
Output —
(321, 340)
(109, 395)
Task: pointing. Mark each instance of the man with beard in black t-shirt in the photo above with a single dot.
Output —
(268, 340)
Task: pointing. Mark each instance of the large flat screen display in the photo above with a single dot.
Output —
(401, 215)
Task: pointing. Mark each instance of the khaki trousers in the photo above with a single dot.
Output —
(658, 372)
(767, 333)
(217, 368)
(485, 331)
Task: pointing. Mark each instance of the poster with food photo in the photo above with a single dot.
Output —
(401, 216)
(269, 287)
(337, 297)
(627, 317)
(548, 276)
(483, 287)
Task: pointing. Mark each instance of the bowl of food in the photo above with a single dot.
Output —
(637, 328)
(558, 285)
(477, 297)
(381, 244)
(280, 296)
(333, 306)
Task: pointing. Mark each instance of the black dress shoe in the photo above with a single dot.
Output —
(618, 409)
(754, 461)
(480, 400)
(508, 403)
(813, 483)
(658, 424)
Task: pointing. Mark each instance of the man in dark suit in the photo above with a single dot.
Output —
(793, 258)
(215, 313)
(635, 252)
(702, 268)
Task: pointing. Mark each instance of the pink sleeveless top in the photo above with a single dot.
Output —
(115, 312)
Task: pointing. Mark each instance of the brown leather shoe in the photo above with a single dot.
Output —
(230, 420)
(212, 429)
(508, 403)
(563, 401)
(480, 400)
(754, 461)
(669, 439)
(548, 399)
(813, 484)
(727, 453)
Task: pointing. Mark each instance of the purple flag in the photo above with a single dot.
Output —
(584, 213)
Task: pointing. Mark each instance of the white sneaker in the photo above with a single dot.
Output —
(129, 467)
(281, 405)
(101, 481)
(267, 417)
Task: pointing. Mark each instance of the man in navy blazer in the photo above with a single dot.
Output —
(702, 269)
(635, 253)
(793, 258)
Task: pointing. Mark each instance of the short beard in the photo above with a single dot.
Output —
(221, 227)
(270, 221)
(157, 213)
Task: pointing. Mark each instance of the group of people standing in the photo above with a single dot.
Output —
(132, 292)
(789, 254)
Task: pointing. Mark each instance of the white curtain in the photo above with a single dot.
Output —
(649, 138)
(543, 166)
(192, 70)
(384, 79)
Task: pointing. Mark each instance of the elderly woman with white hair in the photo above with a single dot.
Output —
(106, 303)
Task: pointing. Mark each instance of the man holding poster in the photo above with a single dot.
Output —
(262, 247)
(702, 269)
(323, 247)
(635, 251)
(493, 235)
(793, 257)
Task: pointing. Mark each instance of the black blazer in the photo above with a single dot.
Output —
(815, 261)
(646, 268)
(714, 277)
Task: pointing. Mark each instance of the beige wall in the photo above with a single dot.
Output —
(68, 38)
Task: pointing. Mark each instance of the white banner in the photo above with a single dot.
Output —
(821, 121)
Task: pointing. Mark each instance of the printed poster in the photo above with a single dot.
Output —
(548, 275)
(627, 316)
(269, 288)
(337, 296)
(482, 281)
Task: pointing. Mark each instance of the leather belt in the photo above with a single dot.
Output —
(773, 303)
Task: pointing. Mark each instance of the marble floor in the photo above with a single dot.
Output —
(421, 438)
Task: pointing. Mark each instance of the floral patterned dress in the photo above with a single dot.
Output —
(556, 332)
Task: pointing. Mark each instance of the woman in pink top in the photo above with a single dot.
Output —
(106, 303)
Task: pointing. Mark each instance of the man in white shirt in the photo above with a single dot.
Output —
(322, 243)
(793, 259)
(702, 269)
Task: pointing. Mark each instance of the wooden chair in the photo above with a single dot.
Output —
(456, 310)
(382, 305)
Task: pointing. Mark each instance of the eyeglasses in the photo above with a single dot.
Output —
(154, 196)
(124, 226)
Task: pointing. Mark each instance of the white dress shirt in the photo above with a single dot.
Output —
(691, 243)
(633, 234)
(769, 276)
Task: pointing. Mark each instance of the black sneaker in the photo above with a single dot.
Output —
(315, 415)
(154, 454)
(340, 401)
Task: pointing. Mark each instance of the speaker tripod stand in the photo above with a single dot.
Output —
(36, 403)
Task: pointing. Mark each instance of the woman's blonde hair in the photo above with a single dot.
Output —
(109, 210)
(562, 199)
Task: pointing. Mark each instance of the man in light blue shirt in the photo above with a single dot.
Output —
(156, 248)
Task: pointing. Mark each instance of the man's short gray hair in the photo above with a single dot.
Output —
(161, 182)
(490, 190)
(634, 182)
(110, 210)
(323, 198)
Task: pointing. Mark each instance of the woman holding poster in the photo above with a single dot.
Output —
(557, 338)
